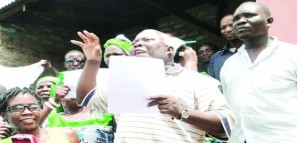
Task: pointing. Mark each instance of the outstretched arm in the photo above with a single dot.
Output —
(90, 45)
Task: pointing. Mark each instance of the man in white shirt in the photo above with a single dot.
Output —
(260, 81)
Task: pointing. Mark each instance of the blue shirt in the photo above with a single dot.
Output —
(217, 60)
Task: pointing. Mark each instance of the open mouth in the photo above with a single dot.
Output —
(45, 95)
(27, 120)
(77, 68)
(139, 52)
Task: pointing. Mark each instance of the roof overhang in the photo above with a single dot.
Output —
(9, 7)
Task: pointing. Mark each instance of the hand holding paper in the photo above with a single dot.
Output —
(61, 92)
(71, 80)
(166, 104)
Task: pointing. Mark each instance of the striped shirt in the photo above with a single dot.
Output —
(217, 60)
(193, 90)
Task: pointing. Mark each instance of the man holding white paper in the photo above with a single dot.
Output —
(191, 105)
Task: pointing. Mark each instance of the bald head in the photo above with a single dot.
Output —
(153, 43)
(162, 36)
(251, 21)
(257, 6)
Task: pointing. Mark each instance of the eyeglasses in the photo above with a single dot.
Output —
(21, 108)
(72, 61)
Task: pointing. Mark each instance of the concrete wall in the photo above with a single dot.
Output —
(26, 44)
(285, 24)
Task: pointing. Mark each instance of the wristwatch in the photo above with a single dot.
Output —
(184, 114)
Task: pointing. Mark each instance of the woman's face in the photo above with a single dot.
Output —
(43, 90)
(113, 50)
(24, 119)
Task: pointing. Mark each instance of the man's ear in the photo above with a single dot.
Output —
(65, 65)
(170, 50)
(270, 21)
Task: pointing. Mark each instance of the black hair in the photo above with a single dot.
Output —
(224, 15)
(213, 46)
(13, 92)
(74, 51)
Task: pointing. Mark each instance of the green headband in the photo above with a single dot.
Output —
(47, 78)
(126, 46)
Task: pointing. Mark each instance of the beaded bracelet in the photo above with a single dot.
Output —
(53, 103)
(49, 105)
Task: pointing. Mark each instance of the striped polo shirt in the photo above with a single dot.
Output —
(192, 90)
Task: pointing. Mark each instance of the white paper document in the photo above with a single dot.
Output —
(131, 80)
(20, 76)
(71, 79)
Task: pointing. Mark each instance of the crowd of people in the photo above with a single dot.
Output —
(247, 92)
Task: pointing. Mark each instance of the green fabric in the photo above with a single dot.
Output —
(210, 140)
(60, 76)
(120, 43)
(56, 120)
(190, 42)
(126, 46)
(7, 140)
(203, 73)
(47, 78)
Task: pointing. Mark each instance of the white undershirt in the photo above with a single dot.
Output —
(232, 50)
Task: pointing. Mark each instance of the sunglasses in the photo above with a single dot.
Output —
(21, 108)
(72, 61)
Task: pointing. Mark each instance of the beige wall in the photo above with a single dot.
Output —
(285, 19)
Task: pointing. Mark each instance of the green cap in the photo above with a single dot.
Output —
(190, 42)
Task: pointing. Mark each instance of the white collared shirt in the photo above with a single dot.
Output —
(264, 94)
